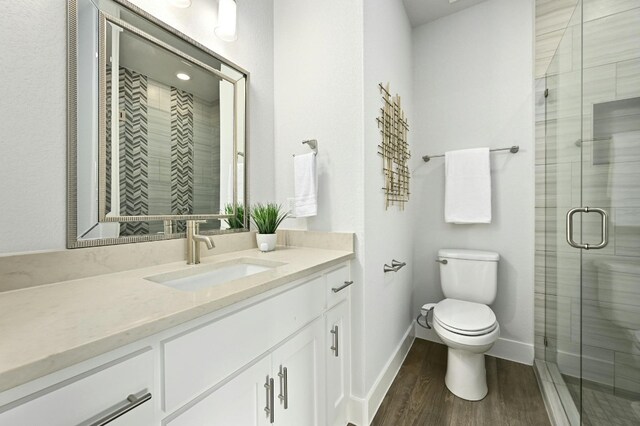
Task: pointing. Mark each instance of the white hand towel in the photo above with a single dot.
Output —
(306, 185)
(468, 186)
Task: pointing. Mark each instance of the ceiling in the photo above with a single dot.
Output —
(139, 55)
(423, 11)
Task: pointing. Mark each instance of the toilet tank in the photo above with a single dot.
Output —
(470, 275)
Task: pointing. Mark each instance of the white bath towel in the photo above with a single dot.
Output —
(467, 186)
(306, 185)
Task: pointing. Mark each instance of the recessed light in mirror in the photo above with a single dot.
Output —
(183, 4)
(183, 76)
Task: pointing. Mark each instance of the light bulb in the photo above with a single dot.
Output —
(227, 19)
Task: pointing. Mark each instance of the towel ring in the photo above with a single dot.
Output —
(313, 144)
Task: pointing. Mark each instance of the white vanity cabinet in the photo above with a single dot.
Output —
(240, 401)
(282, 388)
(337, 350)
(92, 396)
(200, 358)
(298, 367)
(281, 358)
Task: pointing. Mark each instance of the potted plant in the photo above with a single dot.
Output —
(237, 221)
(267, 218)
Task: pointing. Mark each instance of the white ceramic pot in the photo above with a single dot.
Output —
(266, 242)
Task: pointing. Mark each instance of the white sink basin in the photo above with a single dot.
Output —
(205, 276)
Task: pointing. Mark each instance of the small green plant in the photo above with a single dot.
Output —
(237, 221)
(267, 217)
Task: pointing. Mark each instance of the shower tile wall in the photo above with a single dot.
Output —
(206, 140)
(611, 41)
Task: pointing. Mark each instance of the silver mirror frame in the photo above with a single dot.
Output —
(72, 135)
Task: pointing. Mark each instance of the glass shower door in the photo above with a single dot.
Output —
(592, 160)
(610, 179)
(563, 157)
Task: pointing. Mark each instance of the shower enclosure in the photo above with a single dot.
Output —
(588, 156)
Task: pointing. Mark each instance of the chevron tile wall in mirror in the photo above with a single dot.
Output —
(159, 131)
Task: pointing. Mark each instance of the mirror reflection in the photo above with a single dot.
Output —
(163, 138)
(160, 131)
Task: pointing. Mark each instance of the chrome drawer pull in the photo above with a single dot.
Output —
(132, 402)
(336, 341)
(284, 387)
(269, 408)
(342, 287)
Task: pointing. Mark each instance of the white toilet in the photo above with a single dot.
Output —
(463, 321)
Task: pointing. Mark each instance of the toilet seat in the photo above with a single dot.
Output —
(465, 318)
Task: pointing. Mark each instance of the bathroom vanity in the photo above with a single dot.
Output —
(128, 335)
(270, 347)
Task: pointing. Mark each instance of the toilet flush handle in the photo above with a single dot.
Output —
(443, 261)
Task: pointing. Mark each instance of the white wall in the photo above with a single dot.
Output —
(388, 308)
(473, 83)
(329, 58)
(318, 62)
(33, 125)
(33, 109)
(318, 95)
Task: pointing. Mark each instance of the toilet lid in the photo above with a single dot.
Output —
(468, 318)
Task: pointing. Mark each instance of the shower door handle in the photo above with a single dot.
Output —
(604, 223)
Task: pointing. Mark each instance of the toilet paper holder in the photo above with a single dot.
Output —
(424, 313)
(395, 266)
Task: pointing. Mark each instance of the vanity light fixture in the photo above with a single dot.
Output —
(227, 20)
(183, 76)
(182, 4)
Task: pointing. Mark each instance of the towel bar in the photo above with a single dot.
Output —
(512, 150)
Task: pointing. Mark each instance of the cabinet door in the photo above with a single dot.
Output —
(301, 389)
(337, 350)
(241, 401)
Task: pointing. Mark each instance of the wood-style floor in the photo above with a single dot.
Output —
(418, 395)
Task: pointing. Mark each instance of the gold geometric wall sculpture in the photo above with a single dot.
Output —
(394, 149)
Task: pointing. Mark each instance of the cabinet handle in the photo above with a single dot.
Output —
(132, 402)
(336, 340)
(269, 408)
(284, 387)
(342, 287)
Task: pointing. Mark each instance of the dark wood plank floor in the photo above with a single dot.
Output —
(418, 395)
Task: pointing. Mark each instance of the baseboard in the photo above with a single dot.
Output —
(511, 350)
(362, 411)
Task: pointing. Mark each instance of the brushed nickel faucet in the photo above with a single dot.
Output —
(194, 239)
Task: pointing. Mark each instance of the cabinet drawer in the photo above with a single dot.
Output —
(335, 280)
(90, 396)
(201, 358)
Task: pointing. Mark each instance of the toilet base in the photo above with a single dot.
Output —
(466, 375)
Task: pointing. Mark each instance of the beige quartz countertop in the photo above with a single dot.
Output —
(46, 328)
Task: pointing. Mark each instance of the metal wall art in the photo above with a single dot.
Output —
(394, 149)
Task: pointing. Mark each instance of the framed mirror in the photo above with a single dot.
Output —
(157, 130)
